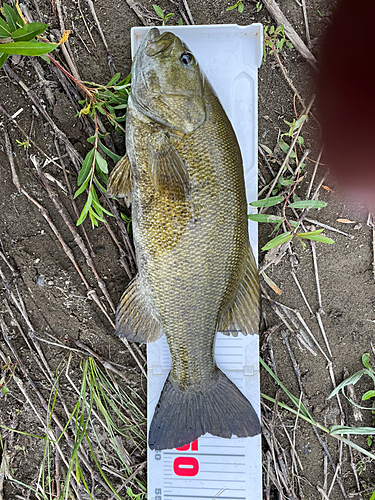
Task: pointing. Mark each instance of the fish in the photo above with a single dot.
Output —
(183, 175)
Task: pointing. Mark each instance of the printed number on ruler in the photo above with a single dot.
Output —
(186, 466)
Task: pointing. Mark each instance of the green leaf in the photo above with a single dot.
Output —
(4, 390)
(12, 17)
(268, 202)
(100, 186)
(101, 163)
(315, 236)
(102, 136)
(323, 239)
(4, 28)
(368, 395)
(231, 8)
(86, 167)
(308, 204)
(82, 188)
(353, 379)
(303, 244)
(121, 87)
(45, 58)
(119, 118)
(100, 109)
(95, 201)
(366, 360)
(300, 140)
(96, 215)
(311, 233)
(240, 8)
(158, 11)
(286, 182)
(280, 43)
(91, 139)
(28, 32)
(266, 149)
(114, 80)
(3, 58)
(85, 209)
(285, 148)
(93, 217)
(180, 22)
(99, 208)
(110, 153)
(28, 48)
(302, 408)
(279, 240)
(343, 429)
(265, 218)
(300, 121)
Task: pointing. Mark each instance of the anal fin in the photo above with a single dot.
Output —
(244, 313)
(119, 183)
(135, 319)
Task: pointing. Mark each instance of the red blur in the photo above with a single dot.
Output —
(346, 98)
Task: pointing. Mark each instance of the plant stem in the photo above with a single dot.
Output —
(71, 77)
(96, 149)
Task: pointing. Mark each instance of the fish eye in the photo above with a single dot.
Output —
(187, 58)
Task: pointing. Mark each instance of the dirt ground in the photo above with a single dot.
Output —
(38, 275)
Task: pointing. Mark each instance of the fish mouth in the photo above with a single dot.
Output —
(157, 43)
(152, 34)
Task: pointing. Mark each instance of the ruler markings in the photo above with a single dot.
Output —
(207, 454)
(239, 447)
(205, 479)
(226, 465)
(204, 496)
(200, 488)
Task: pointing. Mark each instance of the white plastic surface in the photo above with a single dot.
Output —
(213, 467)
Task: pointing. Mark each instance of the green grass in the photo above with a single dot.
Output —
(103, 416)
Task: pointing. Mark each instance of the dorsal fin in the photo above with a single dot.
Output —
(244, 314)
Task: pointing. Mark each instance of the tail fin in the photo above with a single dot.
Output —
(219, 408)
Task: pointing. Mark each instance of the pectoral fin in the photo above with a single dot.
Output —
(119, 183)
(135, 319)
(244, 314)
(167, 169)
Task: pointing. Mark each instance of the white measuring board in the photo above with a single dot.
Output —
(213, 467)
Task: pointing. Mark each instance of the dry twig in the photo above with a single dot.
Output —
(281, 20)
(309, 44)
(91, 293)
(109, 55)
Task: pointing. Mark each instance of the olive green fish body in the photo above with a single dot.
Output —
(196, 270)
(192, 253)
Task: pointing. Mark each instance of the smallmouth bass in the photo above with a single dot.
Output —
(196, 272)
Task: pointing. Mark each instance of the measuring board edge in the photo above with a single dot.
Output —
(222, 468)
